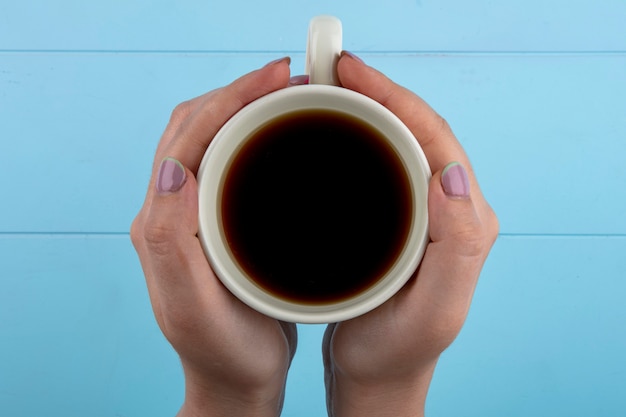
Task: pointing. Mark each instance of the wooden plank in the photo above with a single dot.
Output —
(74, 315)
(544, 336)
(545, 132)
(395, 25)
(75, 318)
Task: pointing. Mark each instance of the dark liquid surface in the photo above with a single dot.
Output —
(316, 207)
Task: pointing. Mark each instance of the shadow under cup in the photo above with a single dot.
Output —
(313, 204)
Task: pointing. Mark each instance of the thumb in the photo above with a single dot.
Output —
(453, 217)
(171, 176)
(175, 204)
(179, 269)
(172, 221)
(451, 265)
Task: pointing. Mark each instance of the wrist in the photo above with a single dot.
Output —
(222, 403)
(398, 395)
(227, 398)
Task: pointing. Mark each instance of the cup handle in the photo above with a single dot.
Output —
(323, 50)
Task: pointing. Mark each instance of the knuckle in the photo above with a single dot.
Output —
(443, 126)
(135, 231)
(478, 234)
(493, 225)
(158, 236)
(472, 245)
(437, 128)
(475, 239)
(181, 112)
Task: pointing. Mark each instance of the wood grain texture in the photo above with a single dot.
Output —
(534, 90)
(545, 132)
(370, 25)
(544, 333)
(543, 336)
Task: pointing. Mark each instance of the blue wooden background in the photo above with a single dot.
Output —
(535, 90)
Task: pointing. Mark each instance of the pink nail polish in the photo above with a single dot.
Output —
(298, 80)
(351, 55)
(454, 181)
(171, 176)
(278, 61)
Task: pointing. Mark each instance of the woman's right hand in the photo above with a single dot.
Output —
(381, 363)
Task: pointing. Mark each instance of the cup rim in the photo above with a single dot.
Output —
(233, 135)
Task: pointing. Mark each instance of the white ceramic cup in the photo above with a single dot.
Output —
(323, 92)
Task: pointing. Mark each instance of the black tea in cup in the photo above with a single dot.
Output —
(316, 206)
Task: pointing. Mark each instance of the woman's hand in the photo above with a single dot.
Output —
(381, 364)
(235, 360)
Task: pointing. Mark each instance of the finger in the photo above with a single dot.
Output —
(198, 129)
(430, 129)
(226, 101)
(298, 80)
(442, 293)
(180, 113)
(179, 274)
(192, 126)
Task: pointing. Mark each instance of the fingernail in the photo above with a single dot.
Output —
(351, 55)
(454, 181)
(278, 61)
(171, 176)
(298, 80)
